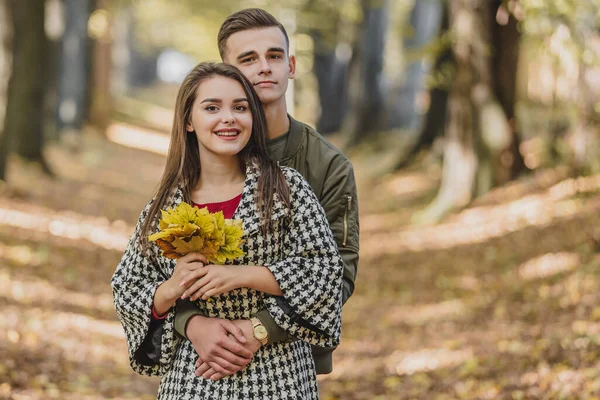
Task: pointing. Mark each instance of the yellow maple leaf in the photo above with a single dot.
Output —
(185, 229)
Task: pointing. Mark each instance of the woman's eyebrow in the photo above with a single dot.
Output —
(241, 99)
(211, 100)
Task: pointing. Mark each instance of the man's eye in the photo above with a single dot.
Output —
(247, 60)
(276, 56)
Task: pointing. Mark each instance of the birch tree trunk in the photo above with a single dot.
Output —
(477, 131)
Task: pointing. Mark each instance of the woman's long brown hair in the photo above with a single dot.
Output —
(183, 158)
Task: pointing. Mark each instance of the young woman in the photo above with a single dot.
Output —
(291, 265)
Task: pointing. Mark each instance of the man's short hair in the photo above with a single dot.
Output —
(249, 18)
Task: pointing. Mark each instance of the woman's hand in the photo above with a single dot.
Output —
(185, 266)
(213, 280)
(171, 290)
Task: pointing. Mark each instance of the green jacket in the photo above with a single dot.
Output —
(331, 176)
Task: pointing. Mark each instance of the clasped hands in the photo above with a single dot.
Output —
(195, 278)
(224, 347)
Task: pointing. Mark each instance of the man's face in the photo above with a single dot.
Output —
(261, 55)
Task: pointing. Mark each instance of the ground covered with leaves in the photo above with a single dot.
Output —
(499, 301)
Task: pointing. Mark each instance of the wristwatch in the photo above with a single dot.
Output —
(260, 332)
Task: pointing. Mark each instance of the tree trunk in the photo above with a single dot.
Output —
(331, 69)
(73, 77)
(460, 158)
(364, 80)
(101, 98)
(5, 70)
(434, 121)
(477, 129)
(506, 40)
(426, 19)
(24, 119)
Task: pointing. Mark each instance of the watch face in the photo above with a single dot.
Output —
(260, 332)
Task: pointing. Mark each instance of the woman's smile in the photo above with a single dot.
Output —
(228, 133)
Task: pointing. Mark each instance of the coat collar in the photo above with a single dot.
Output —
(295, 138)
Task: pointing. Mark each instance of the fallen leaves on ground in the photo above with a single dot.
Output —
(499, 301)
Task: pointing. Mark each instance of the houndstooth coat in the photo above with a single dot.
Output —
(302, 255)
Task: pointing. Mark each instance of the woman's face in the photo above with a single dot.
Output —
(220, 117)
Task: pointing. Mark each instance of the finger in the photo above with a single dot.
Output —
(216, 376)
(192, 279)
(193, 275)
(235, 353)
(194, 265)
(196, 288)
(194, 256)
(235, 331)
(232, 357)
(189, 257)
(211, 292)
(203, 368)
(209, 285)
(223, 366)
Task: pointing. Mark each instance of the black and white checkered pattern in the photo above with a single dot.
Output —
(300, 252)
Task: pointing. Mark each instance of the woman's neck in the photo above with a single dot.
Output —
(219, 173)
(277, 118)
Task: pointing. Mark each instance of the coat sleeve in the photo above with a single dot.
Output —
(134, 284)
(309, 273)
(340, 202)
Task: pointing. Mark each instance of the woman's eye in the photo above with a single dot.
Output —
(211, 108)
(241, 108)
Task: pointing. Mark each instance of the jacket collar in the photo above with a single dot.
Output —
(295, 138)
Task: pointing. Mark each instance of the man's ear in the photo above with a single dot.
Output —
(292, 71)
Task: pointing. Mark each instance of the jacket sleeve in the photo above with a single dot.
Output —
(310, 272)
(340, 202)
(134, 284)
(185, 311)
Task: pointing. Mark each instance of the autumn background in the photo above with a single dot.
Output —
(473, 126)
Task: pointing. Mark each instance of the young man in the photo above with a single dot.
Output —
(256, 43)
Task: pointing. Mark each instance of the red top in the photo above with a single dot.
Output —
(228, 207)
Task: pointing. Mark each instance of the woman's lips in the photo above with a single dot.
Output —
(227, 134)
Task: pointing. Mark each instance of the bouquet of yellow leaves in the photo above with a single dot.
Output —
(185, 229)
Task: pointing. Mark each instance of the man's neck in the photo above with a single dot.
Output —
(277, 119)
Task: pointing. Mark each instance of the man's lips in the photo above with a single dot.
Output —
(265, 83)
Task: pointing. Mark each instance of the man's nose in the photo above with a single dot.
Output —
(265, 67)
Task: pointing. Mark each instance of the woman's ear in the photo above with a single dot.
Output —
(189, 127)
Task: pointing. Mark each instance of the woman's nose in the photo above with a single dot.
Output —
(228, 119)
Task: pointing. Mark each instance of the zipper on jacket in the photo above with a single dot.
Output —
(348, 207)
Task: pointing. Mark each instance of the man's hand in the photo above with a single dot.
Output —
(220, 343)
(205, 369)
